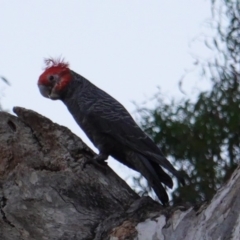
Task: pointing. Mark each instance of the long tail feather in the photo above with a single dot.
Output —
(155, 181)
(161, 160)
(162, 176)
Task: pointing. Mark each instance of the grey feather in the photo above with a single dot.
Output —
(114, 132)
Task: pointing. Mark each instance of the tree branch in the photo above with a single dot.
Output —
(45, 193)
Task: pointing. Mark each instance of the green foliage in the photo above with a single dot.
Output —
(203, 137)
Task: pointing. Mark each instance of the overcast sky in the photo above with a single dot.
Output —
(125, 47)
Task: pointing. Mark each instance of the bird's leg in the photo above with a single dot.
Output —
(101, 157)
(98, 160)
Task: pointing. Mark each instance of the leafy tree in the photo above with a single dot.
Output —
(202, 137)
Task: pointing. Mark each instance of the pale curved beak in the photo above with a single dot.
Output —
(48, 92)
(45, 91)
(53, 95)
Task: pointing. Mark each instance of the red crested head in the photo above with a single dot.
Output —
(55, 78)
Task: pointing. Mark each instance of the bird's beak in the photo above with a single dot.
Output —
(53, 95)
(45, 91)
(48, 92)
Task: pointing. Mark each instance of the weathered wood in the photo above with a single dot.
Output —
(219, 219)
(45, 193)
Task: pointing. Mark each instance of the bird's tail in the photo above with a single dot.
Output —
(161, 160)
(155, 176)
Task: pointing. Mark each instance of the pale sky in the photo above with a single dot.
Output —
(125, 47)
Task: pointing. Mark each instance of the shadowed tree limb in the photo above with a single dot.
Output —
(45, 193)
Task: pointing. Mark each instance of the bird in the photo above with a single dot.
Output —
(108, 125)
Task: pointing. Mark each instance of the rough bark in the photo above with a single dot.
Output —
(46, 194)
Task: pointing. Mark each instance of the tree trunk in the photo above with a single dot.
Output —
(46, 193)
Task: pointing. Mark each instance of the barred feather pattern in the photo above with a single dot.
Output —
(114, 132)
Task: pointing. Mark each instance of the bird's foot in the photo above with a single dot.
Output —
(97, 160)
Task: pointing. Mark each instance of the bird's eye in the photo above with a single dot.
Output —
(51, 77)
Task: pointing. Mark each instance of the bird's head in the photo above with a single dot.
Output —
(55, 78)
